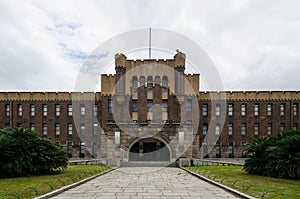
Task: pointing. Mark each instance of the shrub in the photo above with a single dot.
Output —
(274, 156)
(23, 153)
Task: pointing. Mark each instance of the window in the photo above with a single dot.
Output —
(117, 139)
(19, 125)
(149, 105)
(164, 106)
(217, 132)
(256, 129)
(82, 109)
(134, 83)
(282, 109)
(243, 129)
(70, 128)
(69, 147)
(149, 82)
(282, 127)
(32, 110)
(20, 110)
(45, 110)
(110, 105)
(269, 109)
(181, 140)
(32, 126)
(295, 126)
(243, 109)
(7, 109)
(45, 129)
(230, 128)
(256, 109)
(57, 129)
(218, 150)
(230, 109)
(95, 128)
(205, 109)
(165, 82)
(189, 105)
(82, 129)
(95, 109)
(70, 110)
(134, 106)
(269, 129)
(295, 109)
(204, 128)
(57, 109)
(218, 109)
(230, 149)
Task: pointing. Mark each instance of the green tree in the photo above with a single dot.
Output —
(23, 153)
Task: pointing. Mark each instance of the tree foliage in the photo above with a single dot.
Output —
(23, 153)
(274, 156)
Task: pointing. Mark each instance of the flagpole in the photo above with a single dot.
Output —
(150, 42)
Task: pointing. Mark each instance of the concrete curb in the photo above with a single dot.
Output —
(65, 188)
(228, 189)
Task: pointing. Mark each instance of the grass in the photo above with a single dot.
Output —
(39, 185)
(256, 186)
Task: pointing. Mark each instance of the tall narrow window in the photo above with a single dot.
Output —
(205, 109)
(243, 129)
(7, 109)
(70, 110)
(134, 106)
(82, 109)
(256, 109)
(69, 147)
(217, 132)
(256, 129)
(218, 150)
(95, 109)
(149, 105)
(230, 128)
(269, 109)
(45, 110)
(181, 140)
(295, 126)
(32, 110)
(95, 128)
(230, 149)
(282, 127)
(165, 82)
(295, 109)
(282, 109)
(164, 106)
(269, 129)
(243, 109)
(134, 83)
(189, 105)
(57, 129)
(32, 126)
(218, 109)
(45, 129)
(117, 140)
(82, 129)
(57, 109)
(204, 128)
(20, 110)
(230, 109)
(70, 128)
(110, 105)
(149, 82)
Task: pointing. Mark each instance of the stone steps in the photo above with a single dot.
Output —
(148, 164)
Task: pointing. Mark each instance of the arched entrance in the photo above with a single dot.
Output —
(149, 149)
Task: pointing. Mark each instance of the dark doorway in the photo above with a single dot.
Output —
(149, 150)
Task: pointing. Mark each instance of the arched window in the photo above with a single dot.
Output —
(165, 82)
(157, 81)
(142, 81)
(134, 83)
(149, 82)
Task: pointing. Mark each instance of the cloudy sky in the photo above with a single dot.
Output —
(254, 44)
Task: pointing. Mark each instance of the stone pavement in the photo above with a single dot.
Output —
(146, 182)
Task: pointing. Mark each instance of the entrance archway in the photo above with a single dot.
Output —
(149, 149)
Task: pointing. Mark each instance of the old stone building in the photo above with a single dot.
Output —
(151, 110)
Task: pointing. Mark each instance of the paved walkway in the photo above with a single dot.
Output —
(146, 182)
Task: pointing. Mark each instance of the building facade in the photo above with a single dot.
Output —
(150, 110)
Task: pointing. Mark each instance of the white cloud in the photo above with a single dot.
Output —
(254, 44)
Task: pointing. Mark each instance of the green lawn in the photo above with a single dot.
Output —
(235, 177)
(45, 184)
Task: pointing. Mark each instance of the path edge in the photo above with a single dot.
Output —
(226, 188)
(70, 186)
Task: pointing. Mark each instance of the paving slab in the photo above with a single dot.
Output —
(146, 182)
